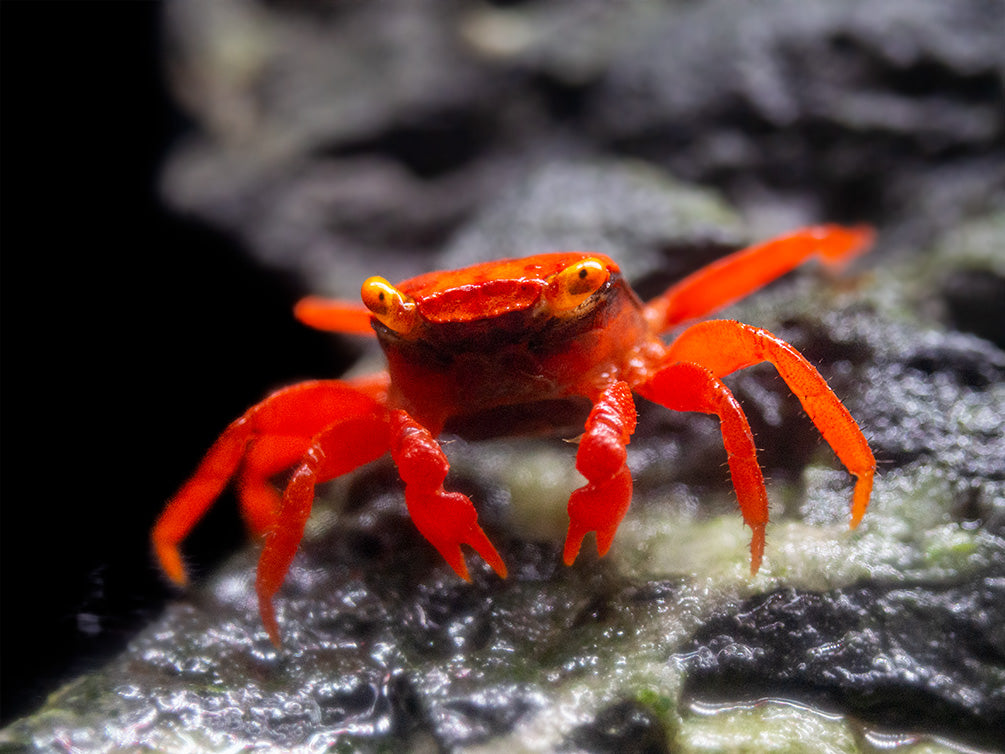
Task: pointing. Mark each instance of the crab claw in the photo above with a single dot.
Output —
(449, 520)
(597, 507)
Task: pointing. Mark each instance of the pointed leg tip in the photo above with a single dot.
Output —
(571, 552)
(860, 499)
(455, 559)
(573, 544)
(268, 614)
(478, 540)
(178, 575)
(842, 244)
(495, 562)
(865, 235)
(604, 541)
(756, 549)
(169, 558)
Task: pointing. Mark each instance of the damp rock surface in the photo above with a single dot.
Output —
(924, 657)
(334, 133)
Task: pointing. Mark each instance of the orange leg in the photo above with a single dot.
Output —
(264, 458)
(267, 456)
(724, 346)
(731, 278)
(334, 316)
(600, 504)
(338, 449)
(691, 387)
(295, 413)
(446, 519)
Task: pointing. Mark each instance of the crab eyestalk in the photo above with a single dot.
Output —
(393, 308)
(575, 284)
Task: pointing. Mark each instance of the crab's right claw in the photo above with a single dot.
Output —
(447, 519)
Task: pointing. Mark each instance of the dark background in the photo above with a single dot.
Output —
(131, 336)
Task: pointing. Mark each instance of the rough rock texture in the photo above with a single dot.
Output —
(337, 131)
(882, 652)
(342, 139)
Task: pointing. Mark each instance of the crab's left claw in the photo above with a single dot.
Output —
(447, 519)
(599, 508)
(600, 504)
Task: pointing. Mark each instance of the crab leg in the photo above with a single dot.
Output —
(264, 458)
(338, 449)
(734, 276)
(333, 315)
(691, 387)
(269, 455)
(446, 519)
(600, 504)
(724, 346)
(282, 423)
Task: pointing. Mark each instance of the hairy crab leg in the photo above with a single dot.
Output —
(340, 448)
(724, 346)
(192, 501)
(734, 276)
(268, 455)
(296, 412)
(446, 519)
(691, 387)
(602, 502)
(264, 458)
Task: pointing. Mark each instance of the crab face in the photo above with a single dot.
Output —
(531, 291)
(520, 332)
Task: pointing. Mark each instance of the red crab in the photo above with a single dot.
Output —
(507, 346)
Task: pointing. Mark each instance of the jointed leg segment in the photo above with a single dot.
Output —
(600, 504)
(724, 346)
(447, 519)
(340, 448)
(690, 381)
(734, 276)
(687, 386)
(313, 421)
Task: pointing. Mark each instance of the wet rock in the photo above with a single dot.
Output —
(323, 133)
(658, 229)
(926, 658)
(622, 728)
(968, 272)
(862, 109)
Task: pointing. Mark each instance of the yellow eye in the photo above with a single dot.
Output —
(572, 286)
(392, 307)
